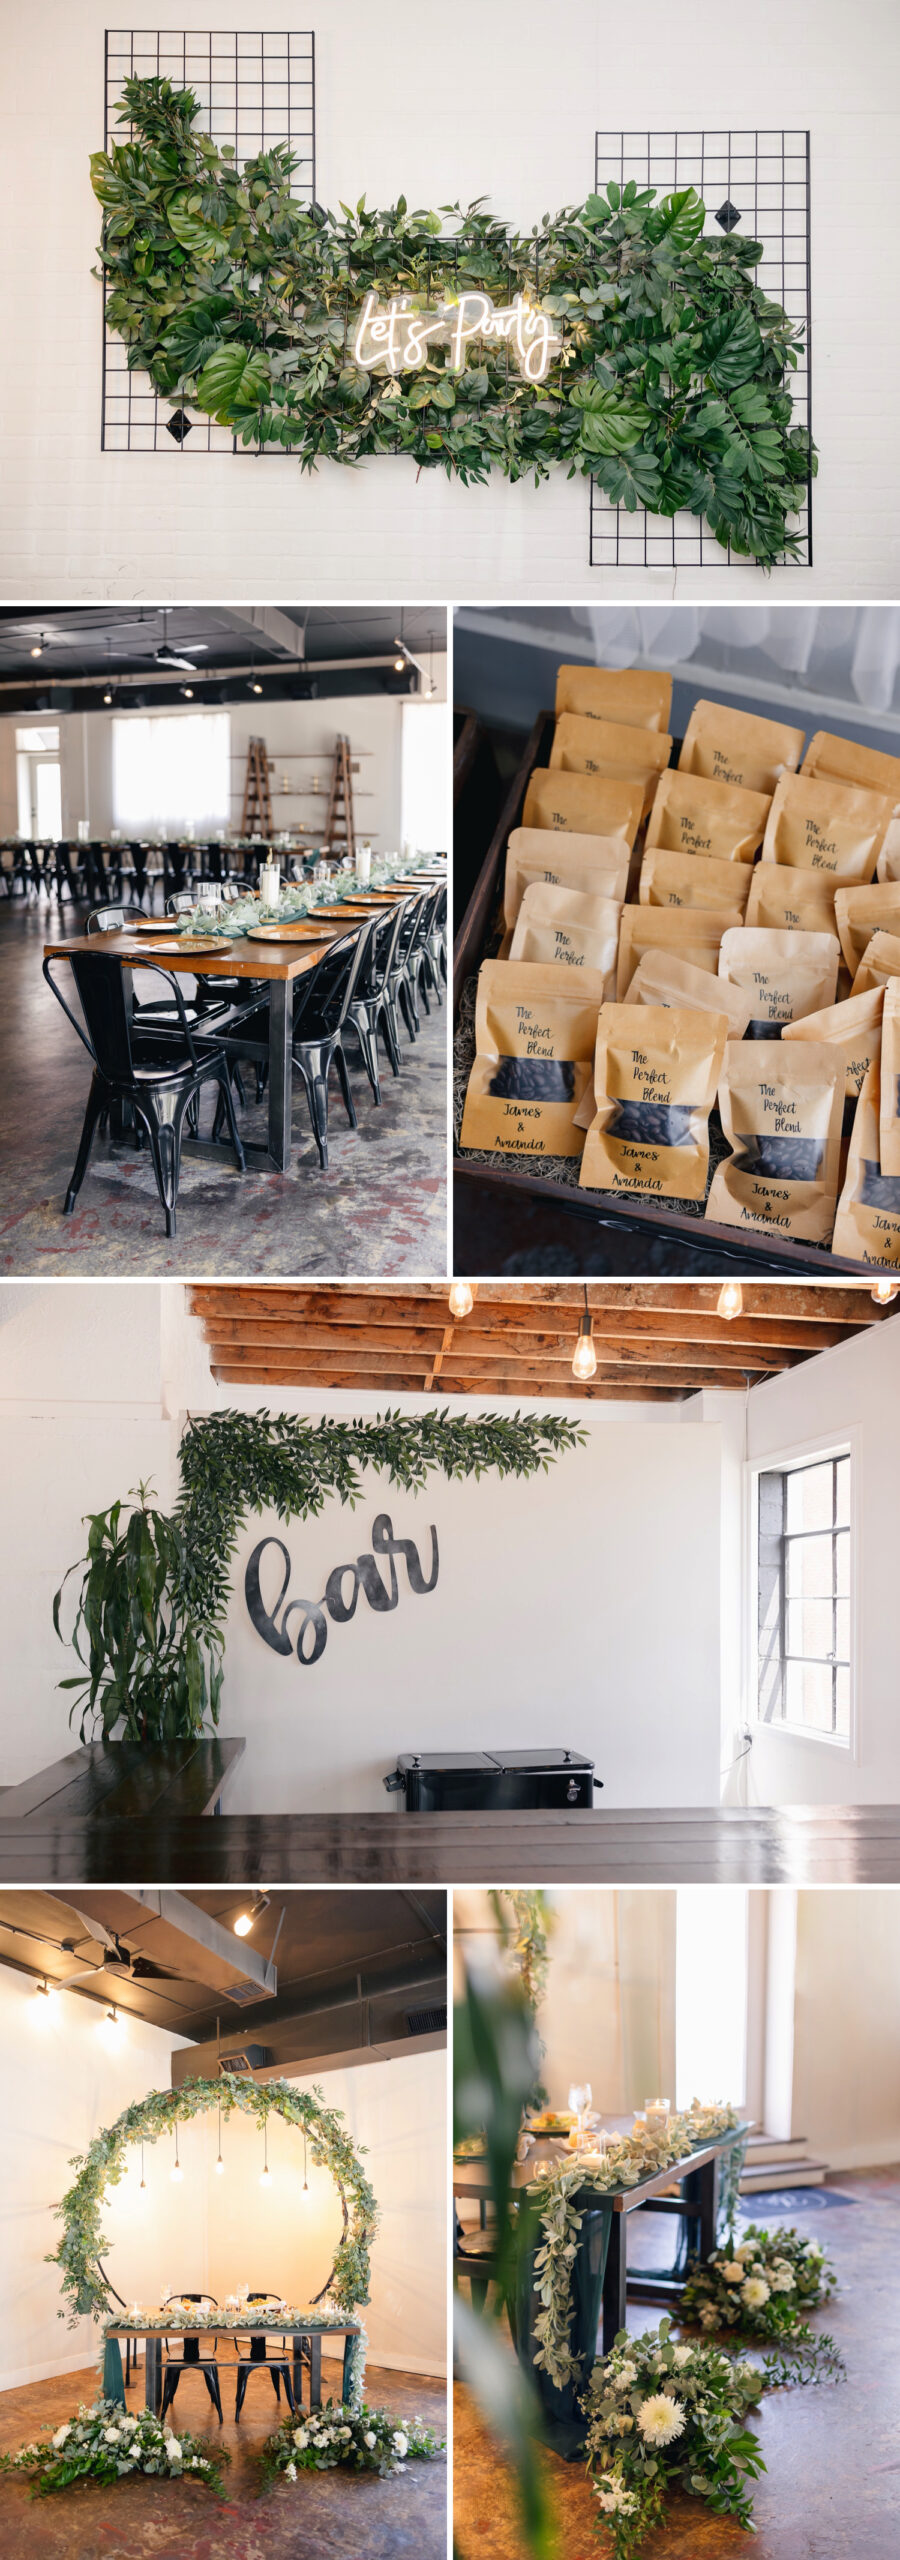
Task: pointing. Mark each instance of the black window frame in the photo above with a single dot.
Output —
(773, 1542)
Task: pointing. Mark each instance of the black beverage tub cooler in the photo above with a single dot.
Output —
(492, 1781)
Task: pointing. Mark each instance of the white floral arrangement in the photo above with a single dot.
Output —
(106, 2443)
(359, 2438)
(764, 2285)
(299, 2318)
(663, 2416)
(642, 2153)
(296, 898)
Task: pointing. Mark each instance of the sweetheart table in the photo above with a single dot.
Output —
(306, 2345)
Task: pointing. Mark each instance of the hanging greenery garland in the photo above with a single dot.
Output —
(668, 381)
(104, 2163)
(232, 1463)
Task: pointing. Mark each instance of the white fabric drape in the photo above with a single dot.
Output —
(833, 647)
(172, 770)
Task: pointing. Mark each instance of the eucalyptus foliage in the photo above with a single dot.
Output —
(763, 2285)
(662, 2417)
(103, 2443)
(671, 389)
(144, 1670)
(354, 2439)
(104, 2163)
(232, 1463)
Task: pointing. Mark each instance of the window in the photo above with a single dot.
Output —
(39, 783)
(711, 1989)
(423, 777)
(804, 1596)
(172, 770)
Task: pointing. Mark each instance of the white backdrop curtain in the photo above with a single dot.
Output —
(832, 648)
(171, 770)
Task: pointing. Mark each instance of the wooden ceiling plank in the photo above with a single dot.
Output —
(613, 1391)
(805, 1303)
(489, 1334)
(369, 1360)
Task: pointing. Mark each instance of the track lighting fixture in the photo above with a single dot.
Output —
(245, 1919)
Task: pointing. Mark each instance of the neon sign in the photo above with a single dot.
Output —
(395, 337)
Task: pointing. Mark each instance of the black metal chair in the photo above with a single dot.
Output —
(435, 944)
(177, 870)
(278, 2366)
(155, 1075)
(65, 874)
(372, 1006)
(191, 2359)
(111, 919)
(404, 977)
(322, 1003)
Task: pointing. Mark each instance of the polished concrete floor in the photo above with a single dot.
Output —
(379, 1211)
(324, 2517)
(830, 2489)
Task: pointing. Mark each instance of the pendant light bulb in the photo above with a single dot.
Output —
(220, 2164)
(730, 1301)
(177, 2172)
(305, 2188)
(884, 1291)
(266, 2176)
(243, 1925)
(38, 649)
(461, 1298)
(245, 1919)
(143, 2184)
(584, 1357)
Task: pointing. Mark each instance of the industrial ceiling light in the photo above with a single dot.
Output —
(245, 1919)
(461, 1298)
(38, 649)
(405, 659)
(730, 1301)
(112, 2025)
(108, 695)
(188, 691)
(883, 1291)
(400, 666)
(584, 1357)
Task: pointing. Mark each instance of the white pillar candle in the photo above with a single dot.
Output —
(270, 883)
(364, 864)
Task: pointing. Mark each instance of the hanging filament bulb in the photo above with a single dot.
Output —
(461, 1298)
(730, 1301)
(143, 2185)
(883, 1291)
(266, 2176)
(177, 2172)
(220, 2164)
(305, 2178)
(584, 1357)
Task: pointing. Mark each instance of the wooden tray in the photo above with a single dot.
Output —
(552, 1215)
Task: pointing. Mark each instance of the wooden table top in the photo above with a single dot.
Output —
(471, 2177)
(243, 959)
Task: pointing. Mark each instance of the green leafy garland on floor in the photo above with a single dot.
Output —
(104, 2443)
(147, 2119)
(232, 1463)
(670, 387)
(662, 2417)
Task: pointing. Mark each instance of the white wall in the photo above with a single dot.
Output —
(851, 1390)
(846, 2072)
(62, 2084)
(300, 737)
(509, 108)
(579, 1607)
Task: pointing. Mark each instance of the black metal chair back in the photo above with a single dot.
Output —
(379, 957)
(321, 1000)
(110, 919)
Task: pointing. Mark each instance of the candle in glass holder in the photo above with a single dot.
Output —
(656, 2111)
(270, 883)
(364, 865)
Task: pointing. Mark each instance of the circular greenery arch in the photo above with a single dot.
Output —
(232, 1463)
(671, 389)
(147, 2119)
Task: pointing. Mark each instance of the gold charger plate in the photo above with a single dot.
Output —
(194, 943)
(152, 924)
(301, 931)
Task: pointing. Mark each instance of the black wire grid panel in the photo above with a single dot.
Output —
(757, 183)
(255, 88)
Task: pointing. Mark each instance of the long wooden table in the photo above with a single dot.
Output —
(123, 1781)
(306, 2350)
(277, 963)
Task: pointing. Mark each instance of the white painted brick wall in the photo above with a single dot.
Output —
(495, 96)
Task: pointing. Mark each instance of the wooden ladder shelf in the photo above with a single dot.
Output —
(339, 836)
(257, 812)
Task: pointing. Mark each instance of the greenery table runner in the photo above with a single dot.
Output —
(299, 2322)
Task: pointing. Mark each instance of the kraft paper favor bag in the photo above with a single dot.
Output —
(867, 1226)
(559, 925)
(850, 762)
(535, 1031)
(606, 747)
(693, 932)
(640, 696)
(790, 901)
(889, 1115)
(693, 880)
(719, 819)
(781, 1111)
(860, 912)
(827, 826)
(595, 865)
(784, 975)
(661, 977)
(888, 864)
(655, 1074)
(735, 746)
(584, 803)
(880, 961)
(854, 1028)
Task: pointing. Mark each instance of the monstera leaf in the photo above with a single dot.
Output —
(232, 382)
(612, 422)
(732, 349)
(182, 216)
(679, 219)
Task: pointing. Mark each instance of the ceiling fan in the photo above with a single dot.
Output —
(166, 657)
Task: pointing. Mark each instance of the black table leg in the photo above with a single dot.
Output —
(315, 2371)
(281, 1023)
(614, 2282)
(708, 2204)
(153, 2375)
(298, 2345)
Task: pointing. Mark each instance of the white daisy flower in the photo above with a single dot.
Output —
(661, 2419)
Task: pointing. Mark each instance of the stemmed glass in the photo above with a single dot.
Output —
(580, 2101)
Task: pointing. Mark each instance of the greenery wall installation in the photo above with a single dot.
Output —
(155, 1590)
(670, 385)
(147, 2119)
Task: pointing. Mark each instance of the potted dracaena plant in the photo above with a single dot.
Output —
(144, 1676)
